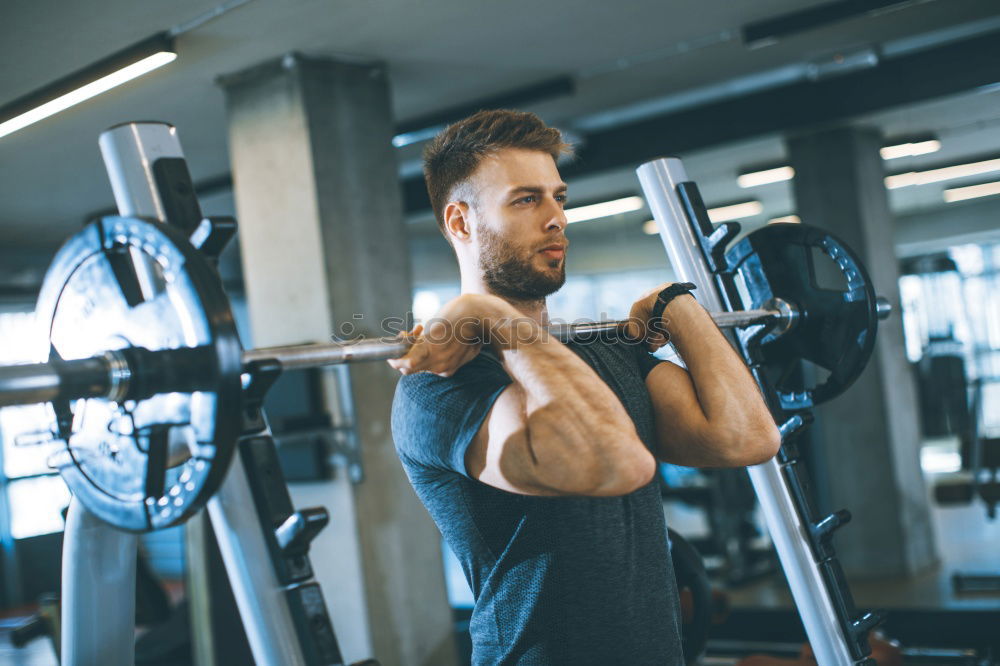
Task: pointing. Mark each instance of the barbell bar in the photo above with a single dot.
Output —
(111, 375)
(377, 349)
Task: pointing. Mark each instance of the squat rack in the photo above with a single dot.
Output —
(837, 633)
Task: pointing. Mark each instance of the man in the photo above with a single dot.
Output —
(536, 458)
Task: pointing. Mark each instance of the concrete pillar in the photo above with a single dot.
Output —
(323, 242)
(868, 439)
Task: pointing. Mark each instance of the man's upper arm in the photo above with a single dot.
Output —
(435, 419)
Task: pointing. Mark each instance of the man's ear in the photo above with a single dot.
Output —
(456, 220)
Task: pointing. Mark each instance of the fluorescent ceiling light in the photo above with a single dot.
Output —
(782, 173)
(89, 82)
(971, 192)
(910, 149)
(735, 211)
(793, 219)
(938, 175)
(605, 209)
(416, 136)
(765, 177)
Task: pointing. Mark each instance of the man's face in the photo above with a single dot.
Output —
(520, 224)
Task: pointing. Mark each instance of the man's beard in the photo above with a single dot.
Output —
(509, 276)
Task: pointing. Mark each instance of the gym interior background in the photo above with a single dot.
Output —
(305, 119)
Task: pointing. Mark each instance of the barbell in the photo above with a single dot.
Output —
(146, 374)
(113, 374)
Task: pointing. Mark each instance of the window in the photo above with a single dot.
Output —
(35, 494)
(951, 305)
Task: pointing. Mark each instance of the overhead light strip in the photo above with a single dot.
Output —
(910, 149)
(782, 173)
(938, 175)
(605, 209)
(972, 192)
(735, 211)
(87, 83)
(765, 177)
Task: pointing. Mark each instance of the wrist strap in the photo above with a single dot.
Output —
(663, 300)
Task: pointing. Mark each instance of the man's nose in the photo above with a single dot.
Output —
(556, 217)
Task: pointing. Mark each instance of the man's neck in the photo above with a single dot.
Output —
(536, 310)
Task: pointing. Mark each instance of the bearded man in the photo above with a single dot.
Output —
(536, 458)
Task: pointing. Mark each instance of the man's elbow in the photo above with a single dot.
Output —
(622, 478)
(601, 477)
(752, 445)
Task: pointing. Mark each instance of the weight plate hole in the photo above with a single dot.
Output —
(825, 271)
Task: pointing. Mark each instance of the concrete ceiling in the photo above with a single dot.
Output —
(440, 54)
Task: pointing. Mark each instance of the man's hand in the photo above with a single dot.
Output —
(638, 320)
(454, 336)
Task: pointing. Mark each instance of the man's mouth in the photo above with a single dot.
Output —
(555, 251)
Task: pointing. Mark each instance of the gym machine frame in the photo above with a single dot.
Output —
(282, 611)
(836, 631)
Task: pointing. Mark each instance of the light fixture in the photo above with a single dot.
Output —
(88, 82)
(793, 219)
(735, 211)
(604, 209)
(650, 228)
(945, 173)
(781, 173)
(765, 177)
(972, 191)
(910, 149)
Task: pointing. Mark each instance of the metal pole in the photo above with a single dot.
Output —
(130, 153)
(98, 591)
(659, 180)
(259, 596)
(311, 356)
(27, 384)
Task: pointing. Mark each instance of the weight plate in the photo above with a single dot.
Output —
(143, 464)
(827, 283)
(690, 574)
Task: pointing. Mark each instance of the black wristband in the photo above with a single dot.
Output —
(663, 299)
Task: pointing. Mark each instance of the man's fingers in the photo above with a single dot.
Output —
(440, 359)
(633, 330)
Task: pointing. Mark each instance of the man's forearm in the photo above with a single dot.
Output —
(576, 424)
(726, 391)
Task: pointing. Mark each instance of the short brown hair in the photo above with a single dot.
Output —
(455, 154)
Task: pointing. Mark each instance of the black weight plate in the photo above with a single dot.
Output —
(689, 571)
(828, 284)
(125, 282)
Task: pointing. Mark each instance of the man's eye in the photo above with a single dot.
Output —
(562, 198)
(528, 199)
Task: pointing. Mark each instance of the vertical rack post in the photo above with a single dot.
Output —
(690, 251)
(98, 591)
